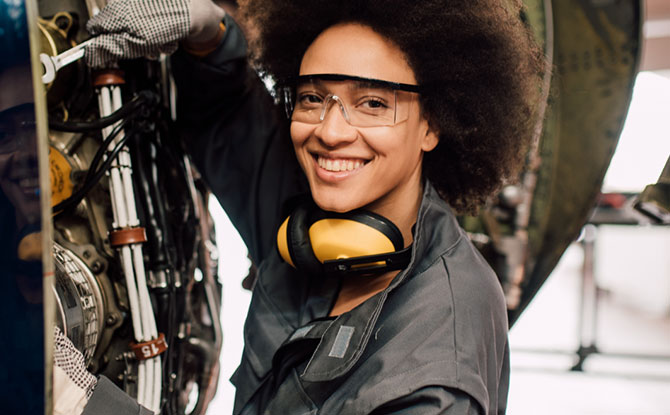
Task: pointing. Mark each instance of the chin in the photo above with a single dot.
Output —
(334, 203)
(334, 207)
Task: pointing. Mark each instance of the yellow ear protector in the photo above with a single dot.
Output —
(338, 244)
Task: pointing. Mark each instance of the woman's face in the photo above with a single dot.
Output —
(348, 167)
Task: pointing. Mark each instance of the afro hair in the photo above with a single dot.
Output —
(476, 60)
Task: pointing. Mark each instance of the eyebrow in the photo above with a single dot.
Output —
(372, 83)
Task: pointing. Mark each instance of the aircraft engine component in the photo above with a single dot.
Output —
(97, 308)
(79, 301)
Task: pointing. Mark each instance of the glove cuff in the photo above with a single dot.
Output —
(72, 362)
(201, 49)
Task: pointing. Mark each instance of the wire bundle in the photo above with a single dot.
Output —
(149, 379)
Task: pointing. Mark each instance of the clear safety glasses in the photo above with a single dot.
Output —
(363, 102)
(17, 128)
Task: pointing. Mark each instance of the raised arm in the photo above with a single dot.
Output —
(226, 117)
(237, 138)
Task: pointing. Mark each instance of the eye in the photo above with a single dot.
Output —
(309, 100)
(6, 133)
(374, 103)
(6, 140)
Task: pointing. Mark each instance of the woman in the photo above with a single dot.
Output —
(398, 108)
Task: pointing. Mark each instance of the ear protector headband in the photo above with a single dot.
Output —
(337, 244)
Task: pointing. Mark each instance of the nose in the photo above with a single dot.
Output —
(334, 129)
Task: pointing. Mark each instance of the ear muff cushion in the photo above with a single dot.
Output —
(299, 245)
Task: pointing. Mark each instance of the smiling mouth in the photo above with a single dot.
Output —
(339, 164)
(29, 182)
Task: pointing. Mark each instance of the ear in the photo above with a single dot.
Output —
(430, 139)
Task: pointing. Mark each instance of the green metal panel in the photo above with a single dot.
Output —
(592, 49)
(596, 48)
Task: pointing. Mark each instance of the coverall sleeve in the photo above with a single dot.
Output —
(432, 400)
(237, 138)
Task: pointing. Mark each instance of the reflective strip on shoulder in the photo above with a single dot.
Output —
(341, 344)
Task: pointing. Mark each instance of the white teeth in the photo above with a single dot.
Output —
(338, 165)
(29, 182)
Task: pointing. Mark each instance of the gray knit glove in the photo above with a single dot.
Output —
(73, 384)
(128, 29)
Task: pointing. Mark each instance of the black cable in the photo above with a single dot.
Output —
(93, 176)
(75, 198)
(103, 148)
(142, 97)
(88, 185)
